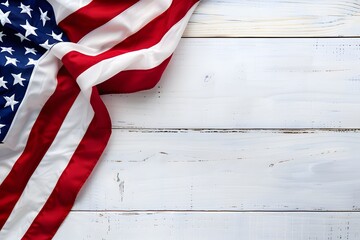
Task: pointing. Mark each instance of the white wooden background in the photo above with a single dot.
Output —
(252, 134)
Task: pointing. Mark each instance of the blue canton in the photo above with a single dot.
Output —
(27, 30)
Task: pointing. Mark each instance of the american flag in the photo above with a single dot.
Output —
(56, 59)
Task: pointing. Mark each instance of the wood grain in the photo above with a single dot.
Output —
(226, 170)
(275, 18)
(250, 83)
(210, 226)
(159, 180)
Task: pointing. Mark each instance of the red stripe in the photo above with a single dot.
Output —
(74, 176)
(41, 137)
(148, 36)
(92, 16)
(133, 80)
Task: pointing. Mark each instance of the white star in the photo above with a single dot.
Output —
(1, 126)
(12, 61)
(4, 17)
(10, 101)
(3, 83)
(31, 62)
(18, 79)
(43, 16)
(6, 4)
(30, 50)
(30, 30)
(56, 37)
(7, 49)
(22, 37)
(25, 9)
(46, 45)
(1, 36)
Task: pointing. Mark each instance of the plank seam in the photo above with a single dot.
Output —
(217, 211)
(285, 37)
(238, 130)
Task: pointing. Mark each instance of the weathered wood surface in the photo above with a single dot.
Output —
(226, 170)
(250, 83)
(158, 180)
(210, 226)
(275, 18)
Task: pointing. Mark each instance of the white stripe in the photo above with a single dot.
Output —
(46, 175)
(42, 84)
(124, 25)
(8, 158)
(63, 8)
(104, 38)
(141, 59)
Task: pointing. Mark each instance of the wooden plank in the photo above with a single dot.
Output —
(226, 170)
(250, 83)
(210, 226)
(274, 18)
